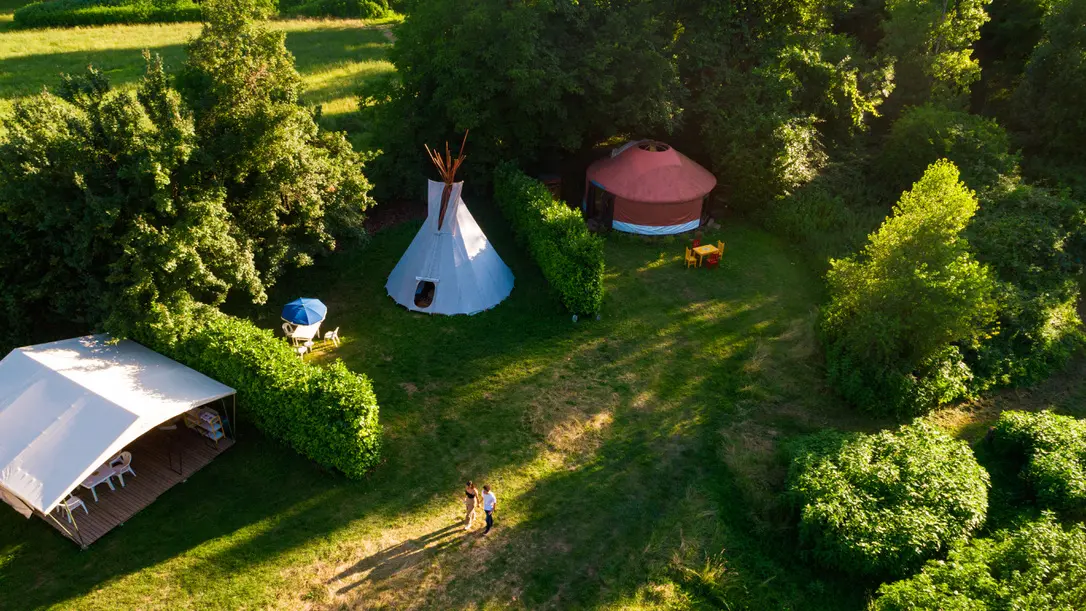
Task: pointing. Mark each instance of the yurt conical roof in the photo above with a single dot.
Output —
(652, 172)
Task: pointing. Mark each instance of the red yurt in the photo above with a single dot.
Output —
(649, 188)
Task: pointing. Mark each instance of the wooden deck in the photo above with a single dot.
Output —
(161, 460)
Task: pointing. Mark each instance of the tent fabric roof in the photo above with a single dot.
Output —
(68, 406)
(661, 176)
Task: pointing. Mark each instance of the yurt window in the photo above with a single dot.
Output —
(654, 147)
(424, 294)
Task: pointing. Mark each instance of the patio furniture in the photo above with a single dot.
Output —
(332, 336)
(206, 422)
(697, 242)
(713, 260)
(690, 259)
(288, 329)
(121, 464)
(304, 333)
(72, 503)
(301, 350)
(101, 475)
(704, 251)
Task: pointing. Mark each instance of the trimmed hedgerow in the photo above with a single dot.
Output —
(1052, 449)
(68, 13)
(328, 414)
(570, 256)
(880, 505)
(1036, 566)
(357, 9)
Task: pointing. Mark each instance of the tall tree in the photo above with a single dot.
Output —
(931, 42)
(1051, 94)
(902, 310)
(290, 187)
(98, 225)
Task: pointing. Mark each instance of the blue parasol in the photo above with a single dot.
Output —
(304, 311)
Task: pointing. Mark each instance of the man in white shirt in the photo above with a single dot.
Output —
(490, 504)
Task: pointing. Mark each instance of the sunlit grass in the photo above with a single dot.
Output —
(334, 57)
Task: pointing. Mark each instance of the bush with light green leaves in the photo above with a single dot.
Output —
(880, 505)
(1039, 566)
(1052, 451)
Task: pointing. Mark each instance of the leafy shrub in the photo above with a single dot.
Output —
(1053, 450)
(328, 414)
(570, 257)
(978, 146)
(901, 310)
(1036, 566)
(882, 504)
(1033, 239)
(831, 216)
(358, 9)
(68, 13)
(97, 222)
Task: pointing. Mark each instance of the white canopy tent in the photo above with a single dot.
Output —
(450, 267)
(67, 407)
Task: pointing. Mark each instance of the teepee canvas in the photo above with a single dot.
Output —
(450, 267)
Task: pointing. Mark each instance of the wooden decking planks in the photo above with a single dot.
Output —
(156, 458)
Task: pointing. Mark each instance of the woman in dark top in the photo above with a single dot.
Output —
(469, 503)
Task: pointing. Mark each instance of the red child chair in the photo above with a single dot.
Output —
(713, 260)
(697, 242)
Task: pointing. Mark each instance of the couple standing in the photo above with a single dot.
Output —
(490, 505)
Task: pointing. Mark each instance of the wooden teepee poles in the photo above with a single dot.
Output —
(446, 167)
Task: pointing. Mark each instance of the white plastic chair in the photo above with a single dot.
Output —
(332, 336)
(301, 350)
(122, 464)
(72, 503)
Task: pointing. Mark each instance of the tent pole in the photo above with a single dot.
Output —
(76, 526)
(78, 535)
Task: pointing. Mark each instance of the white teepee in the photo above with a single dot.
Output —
(450, 267)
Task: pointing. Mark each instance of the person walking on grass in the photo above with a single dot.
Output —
(490, 505)
(469, 504)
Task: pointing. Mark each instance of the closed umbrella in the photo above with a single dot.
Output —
(304, 311)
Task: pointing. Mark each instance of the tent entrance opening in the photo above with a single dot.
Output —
(424, 294)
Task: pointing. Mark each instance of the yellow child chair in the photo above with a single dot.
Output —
(690, 259)
(720, 248)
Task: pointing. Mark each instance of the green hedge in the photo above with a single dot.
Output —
(882, 504)
(67, 13)
(358, 9)
(1039, 566)
(1052, 449)
(328, 414)
(570, 256)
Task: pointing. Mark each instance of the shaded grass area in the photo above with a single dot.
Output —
(634, 457)
(334, 57)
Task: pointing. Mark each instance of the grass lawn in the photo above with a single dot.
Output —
(333, 56)
(634, 456)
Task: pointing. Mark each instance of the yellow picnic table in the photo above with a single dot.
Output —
(704, 251)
